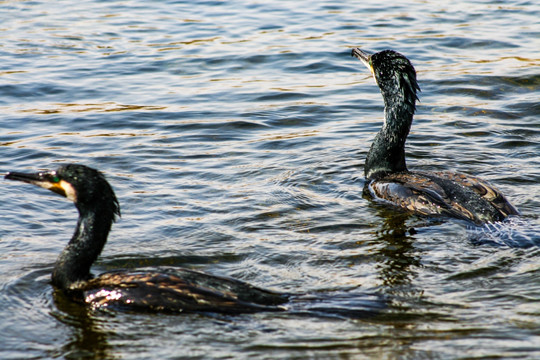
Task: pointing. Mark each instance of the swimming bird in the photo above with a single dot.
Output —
(441, 193)
(168, 290)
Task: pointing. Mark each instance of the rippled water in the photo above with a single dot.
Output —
(234, 134)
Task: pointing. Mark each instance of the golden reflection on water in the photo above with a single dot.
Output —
(66, 108)
(287, 136)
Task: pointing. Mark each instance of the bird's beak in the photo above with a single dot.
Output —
(46, 180)
(25, 177)
(364, 57)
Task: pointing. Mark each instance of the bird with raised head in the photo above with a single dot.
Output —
(441, 193)
(169, 290)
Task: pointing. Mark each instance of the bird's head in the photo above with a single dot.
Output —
(85, 186)
(393, 73)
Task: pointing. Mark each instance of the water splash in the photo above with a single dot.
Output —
(514, 232)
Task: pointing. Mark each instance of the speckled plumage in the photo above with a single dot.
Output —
(177, 290)
(171, 290)
(433, 194)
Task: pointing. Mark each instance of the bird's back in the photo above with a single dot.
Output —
(443, 193)
(177, 290)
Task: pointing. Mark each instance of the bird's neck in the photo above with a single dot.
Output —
(387, 152)
(74, 262)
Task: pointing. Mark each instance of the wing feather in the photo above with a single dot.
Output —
(484, 189)
(186, 291)
(443, 193)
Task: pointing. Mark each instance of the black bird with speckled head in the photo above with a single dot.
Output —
(441, 193)
(168, 290)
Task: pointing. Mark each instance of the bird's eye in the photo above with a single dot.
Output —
(55, 179)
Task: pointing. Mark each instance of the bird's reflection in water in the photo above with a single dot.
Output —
(398, 262)
(89, 339)
(396, 258)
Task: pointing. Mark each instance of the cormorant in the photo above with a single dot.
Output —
(441, 193)
(169, 290)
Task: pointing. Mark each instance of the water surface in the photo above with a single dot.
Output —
(234, 134)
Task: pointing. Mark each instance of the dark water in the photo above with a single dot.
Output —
(234, 134)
